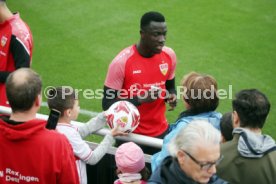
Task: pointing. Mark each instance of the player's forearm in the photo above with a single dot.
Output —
(101, 150)
(110, 97)
(170, 86)
(20, 53)
(106, 103)
(3, 76)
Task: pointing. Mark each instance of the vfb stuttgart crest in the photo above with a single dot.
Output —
(164, 68)
(3, 41)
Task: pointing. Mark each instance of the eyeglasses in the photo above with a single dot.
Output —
(207, 165)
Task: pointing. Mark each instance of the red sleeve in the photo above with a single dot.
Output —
(116, 71)
(172, 55)
(21, 43)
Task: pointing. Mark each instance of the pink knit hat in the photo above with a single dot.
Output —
(130, 158)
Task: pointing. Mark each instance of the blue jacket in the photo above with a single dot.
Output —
(212, 117)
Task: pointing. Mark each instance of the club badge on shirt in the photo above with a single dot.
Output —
(164, 68)
(3, 41)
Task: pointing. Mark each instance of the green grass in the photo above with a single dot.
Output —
(235, 41)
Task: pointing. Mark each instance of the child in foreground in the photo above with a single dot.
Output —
(64, 99)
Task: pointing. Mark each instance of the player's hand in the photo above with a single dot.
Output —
(150, 95)
(172, 101)
(116, 132)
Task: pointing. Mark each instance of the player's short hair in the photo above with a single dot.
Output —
(200, 92)
(252, 107)
(61, 98)
(151, 16)
(22, 88)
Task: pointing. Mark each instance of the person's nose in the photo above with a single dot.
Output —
(212, 169)
(162, 39)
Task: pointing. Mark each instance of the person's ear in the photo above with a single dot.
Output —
(235, 119)
(222, 139)
(142, 34)
(68, 112)
(180, 156)
(186, 104)
(38, 100)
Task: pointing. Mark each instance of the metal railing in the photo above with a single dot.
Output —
(104, 171)
(139, 139)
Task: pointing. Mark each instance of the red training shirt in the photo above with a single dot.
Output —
(135, 74)
(15, 50)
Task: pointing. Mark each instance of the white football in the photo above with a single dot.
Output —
(124, 115)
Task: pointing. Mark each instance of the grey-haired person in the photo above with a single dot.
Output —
(194, 155)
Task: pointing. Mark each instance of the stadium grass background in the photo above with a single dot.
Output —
(234, 41)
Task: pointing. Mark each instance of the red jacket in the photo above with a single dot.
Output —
(29, 153)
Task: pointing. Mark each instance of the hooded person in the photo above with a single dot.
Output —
(251, 156)
(30, 153)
